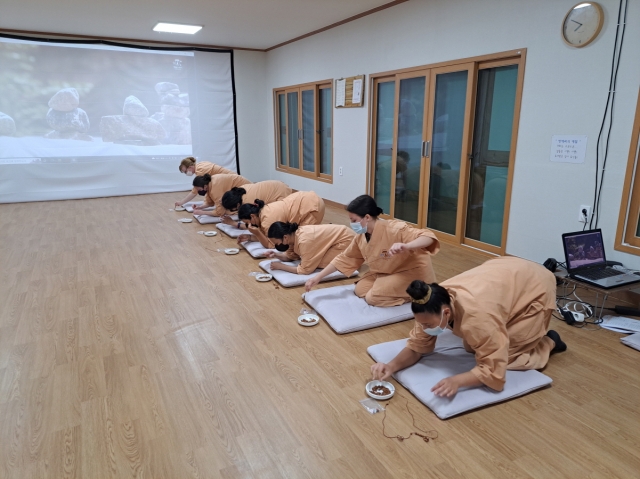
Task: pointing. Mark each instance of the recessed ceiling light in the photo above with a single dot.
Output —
(177, 28)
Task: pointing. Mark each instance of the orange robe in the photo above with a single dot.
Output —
(317, 245)
(204, 167)
(386, 281)
(268, 191)
(501, 310)
(302, 207)
(219, 185)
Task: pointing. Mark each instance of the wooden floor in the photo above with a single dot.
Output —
(129, 347)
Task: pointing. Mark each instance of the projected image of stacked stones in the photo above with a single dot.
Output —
(7, 125)
(67, 120)
(174, 116)
(132, 127)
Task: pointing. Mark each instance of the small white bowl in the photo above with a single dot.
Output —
(371, 384)
(210, 233)
(264, 277)
(303, 319)
(185, 220)
(231, 251)
(179, 208)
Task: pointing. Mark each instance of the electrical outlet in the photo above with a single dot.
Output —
(581, 215)
(340, 171)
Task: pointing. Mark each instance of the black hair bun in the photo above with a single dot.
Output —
(258, 202)
(380, 210)
(418, 289)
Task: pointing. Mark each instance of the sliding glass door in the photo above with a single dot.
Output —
(383, 158)
(447, 145)
(491, 155)
(442, 148)
(409, 138)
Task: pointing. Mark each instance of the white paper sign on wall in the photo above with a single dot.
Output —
(568, 148)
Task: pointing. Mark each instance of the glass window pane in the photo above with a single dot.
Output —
(383, 146)
(446, 150)
(282, 127)
(408, 157)
(491, 149)
(308, 131)
(326, 110)
(292, 137)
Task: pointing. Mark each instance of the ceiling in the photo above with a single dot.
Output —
(255, 24)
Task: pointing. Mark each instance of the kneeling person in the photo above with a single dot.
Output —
(501, 310)
(302, 208)
(314, 245)
(395, 252)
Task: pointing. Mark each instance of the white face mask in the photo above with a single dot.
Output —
(189, 173)
(358, 228)
(437, 330)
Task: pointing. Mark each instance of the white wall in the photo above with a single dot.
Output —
(565, 90)
(252, 114)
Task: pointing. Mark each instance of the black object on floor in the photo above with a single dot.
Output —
(626, 311)
(560, 345)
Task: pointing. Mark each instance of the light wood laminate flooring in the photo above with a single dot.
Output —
(129, 347)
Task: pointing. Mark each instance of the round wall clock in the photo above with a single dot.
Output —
(582, 24)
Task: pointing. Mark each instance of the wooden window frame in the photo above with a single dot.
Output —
(511, 57)
(626, 240)
(316, 87)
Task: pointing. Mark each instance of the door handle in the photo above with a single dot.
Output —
(426, 149)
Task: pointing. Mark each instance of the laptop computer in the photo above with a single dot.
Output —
(586, 261)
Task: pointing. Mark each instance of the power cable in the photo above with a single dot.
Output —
(608, 113)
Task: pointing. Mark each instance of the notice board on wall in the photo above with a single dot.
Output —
(568, 148)
(349, 92)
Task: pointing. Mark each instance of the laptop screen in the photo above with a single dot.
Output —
(584, 249)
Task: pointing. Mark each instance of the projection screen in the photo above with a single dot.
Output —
(87, 120)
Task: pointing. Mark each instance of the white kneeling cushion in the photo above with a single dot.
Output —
(448, 359)
(231, 230)
(346, 313)
(209, 220)
(288, 280)
(255, 249)
(633, 340)
(190, 204)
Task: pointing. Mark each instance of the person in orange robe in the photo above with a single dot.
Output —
(314, 245)
(302, 207)
(268, 191)
(501, 310)
(396, 254)
(189, 167)
(213, 188)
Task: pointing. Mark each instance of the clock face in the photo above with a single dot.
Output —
(582, 24)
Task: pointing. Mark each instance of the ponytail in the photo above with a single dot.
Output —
(248, 209)
(279, 229)
(233, 198)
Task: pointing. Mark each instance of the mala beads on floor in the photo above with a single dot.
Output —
(426, 437)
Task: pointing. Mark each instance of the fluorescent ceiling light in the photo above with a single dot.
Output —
(177, 28)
